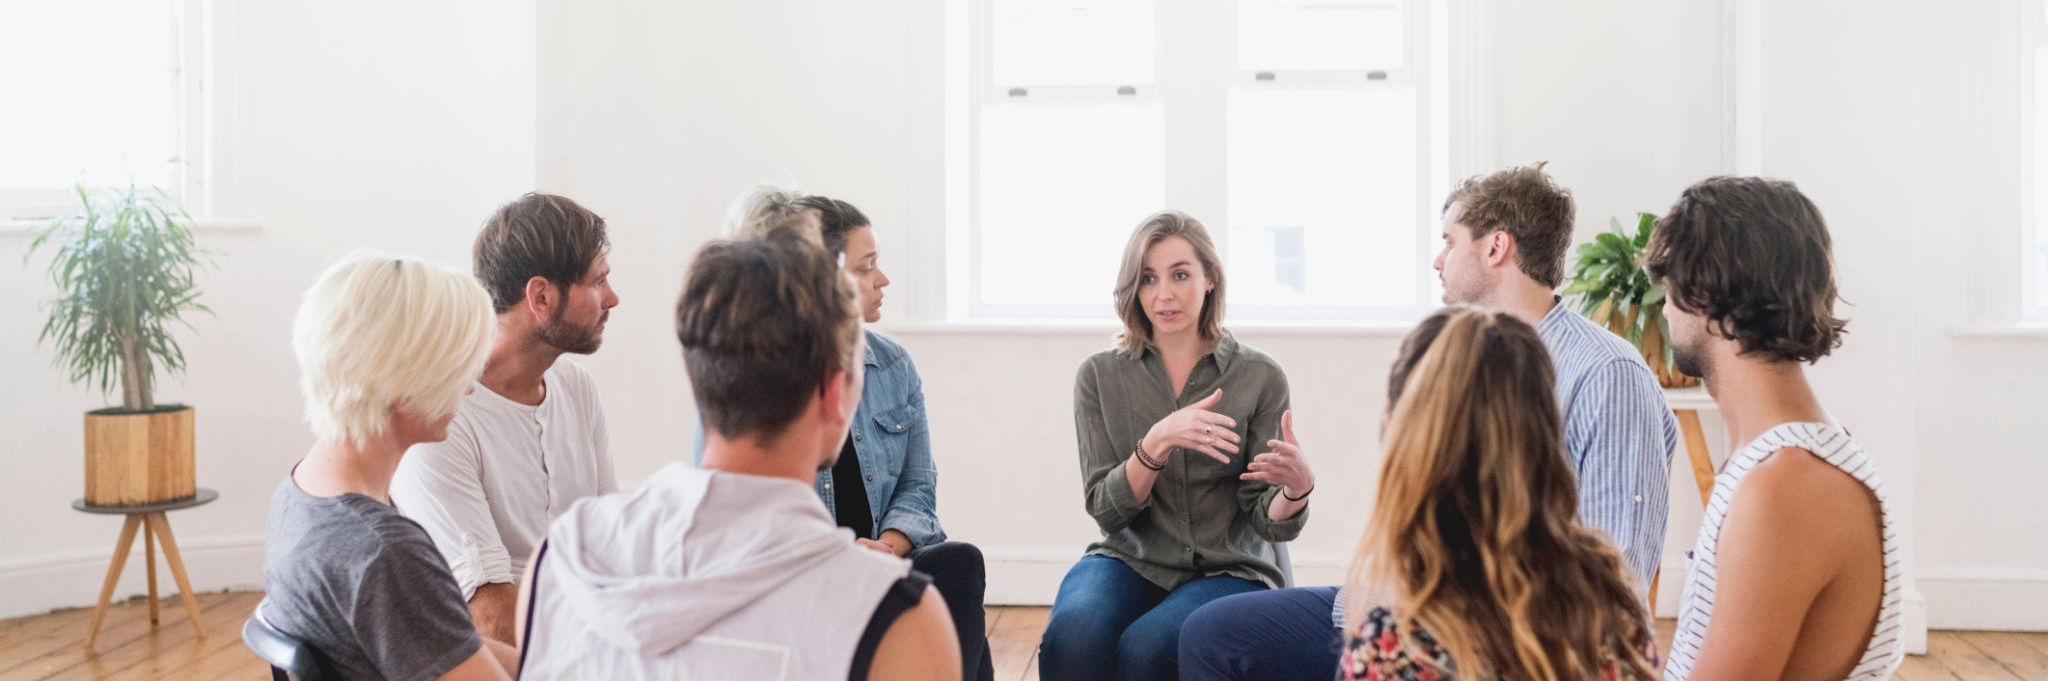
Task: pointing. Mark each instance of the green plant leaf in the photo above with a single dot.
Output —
(125, 267)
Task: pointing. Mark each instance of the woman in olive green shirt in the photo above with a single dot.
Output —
(1166, 423)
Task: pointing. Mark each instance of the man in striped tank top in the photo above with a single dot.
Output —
(1795, 574)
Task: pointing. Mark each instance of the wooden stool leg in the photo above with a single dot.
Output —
(121, 547)
(149, 559)
(1696, 448)
(177, 563)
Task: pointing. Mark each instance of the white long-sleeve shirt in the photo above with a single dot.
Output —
(487, 493)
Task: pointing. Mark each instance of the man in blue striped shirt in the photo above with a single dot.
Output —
(1505, 237)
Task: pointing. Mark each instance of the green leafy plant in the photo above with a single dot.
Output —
(1614, 291)
(124, 269)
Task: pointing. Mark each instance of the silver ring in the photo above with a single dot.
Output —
(1206, 430)
(1206, 440)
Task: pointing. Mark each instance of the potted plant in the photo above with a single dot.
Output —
(124, 269)
(1613, 290)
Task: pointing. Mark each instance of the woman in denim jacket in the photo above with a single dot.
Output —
(885, 486)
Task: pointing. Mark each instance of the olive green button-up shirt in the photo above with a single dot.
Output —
(1200, 519)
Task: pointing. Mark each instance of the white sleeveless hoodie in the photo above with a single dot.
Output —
(702, 575)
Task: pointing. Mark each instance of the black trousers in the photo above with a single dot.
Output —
(958, 573)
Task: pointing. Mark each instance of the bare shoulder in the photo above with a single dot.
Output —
(921, 644)
(1798, 491)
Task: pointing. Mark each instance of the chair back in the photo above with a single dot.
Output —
(289, 657)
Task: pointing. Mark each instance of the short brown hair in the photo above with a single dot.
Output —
(536, 235)
(1524, 202)
(1137, 334)
(764, 323)
(1752, 255)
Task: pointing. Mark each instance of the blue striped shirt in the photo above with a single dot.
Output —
(1618, 433)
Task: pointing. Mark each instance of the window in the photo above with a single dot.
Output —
(97, 90)
(1303, 133)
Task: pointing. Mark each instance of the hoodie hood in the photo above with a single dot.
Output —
(650, 571)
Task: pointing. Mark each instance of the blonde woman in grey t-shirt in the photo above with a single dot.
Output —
(1167, 423)
(386, 347)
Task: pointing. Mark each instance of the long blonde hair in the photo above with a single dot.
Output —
(1476, 535)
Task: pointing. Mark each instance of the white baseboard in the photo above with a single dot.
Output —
(2008, 599)
(31, 586)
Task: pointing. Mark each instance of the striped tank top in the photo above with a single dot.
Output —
(1886, 648)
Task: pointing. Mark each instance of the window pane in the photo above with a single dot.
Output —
(1323, 197)
(1291, 34)
(1074, 42)
(1061, 189)
(92, 86)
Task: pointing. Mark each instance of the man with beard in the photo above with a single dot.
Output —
(529, 439)
(1795, 574)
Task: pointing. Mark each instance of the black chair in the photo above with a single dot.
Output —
(289, 658)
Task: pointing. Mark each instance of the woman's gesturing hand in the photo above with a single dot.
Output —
(1285, 466)
(1196, 428)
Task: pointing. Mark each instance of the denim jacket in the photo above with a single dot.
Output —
(893, 442)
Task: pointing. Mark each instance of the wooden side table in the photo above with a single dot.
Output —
(1686, 404)
(154, 526)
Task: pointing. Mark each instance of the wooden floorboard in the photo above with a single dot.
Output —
(49, 647)
(1014, 642)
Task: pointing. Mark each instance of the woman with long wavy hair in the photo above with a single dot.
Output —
(1474, 564)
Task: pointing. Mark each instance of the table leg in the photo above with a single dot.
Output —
(121, 547)
(1696, 448)
(149, 559)
(177, 563)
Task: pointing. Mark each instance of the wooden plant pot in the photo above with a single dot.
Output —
(1652, 345)
(134, 458)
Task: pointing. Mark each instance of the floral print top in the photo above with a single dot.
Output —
(1376, 654)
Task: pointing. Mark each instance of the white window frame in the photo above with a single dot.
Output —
(208, 66)
(1453, 138)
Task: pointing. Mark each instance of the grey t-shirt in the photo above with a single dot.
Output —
(364, 586)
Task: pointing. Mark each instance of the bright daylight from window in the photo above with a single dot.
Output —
(1300, 146)
(92, 115)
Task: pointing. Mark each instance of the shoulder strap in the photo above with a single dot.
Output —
(900, 598)
(532, 603)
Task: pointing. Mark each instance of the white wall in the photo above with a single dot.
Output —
(655, 114)
(386, 124)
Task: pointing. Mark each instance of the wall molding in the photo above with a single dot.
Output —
(72, 579)
(2006, 599)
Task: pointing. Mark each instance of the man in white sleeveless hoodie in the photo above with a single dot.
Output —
(1795, 574)
(736, 570)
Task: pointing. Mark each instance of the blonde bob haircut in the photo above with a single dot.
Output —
(1136, 338)
(379, 331)
(765, 208)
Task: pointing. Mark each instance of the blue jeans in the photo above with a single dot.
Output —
(1109, 623)
(1279, 634)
